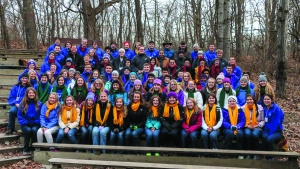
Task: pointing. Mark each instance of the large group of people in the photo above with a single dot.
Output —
(113, 96)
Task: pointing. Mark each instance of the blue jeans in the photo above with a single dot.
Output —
(100, 135)
(252, 138)
(11, 118)
(71, 135)
(269, 140)
(86, 134)
(192, 137)
(229, 136)
(132, 136)
(117, 136)
(30, 133)
(152, 138)
(210, 138)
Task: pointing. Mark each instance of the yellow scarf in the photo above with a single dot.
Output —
(135, 106)
(118, 117)
(247, 115)
(73, 114)
(175, 109)
(188, 115)
(90, 110)
(50, 107)
(233, 116)
(211, 116)
(154, 111)
(98, 114)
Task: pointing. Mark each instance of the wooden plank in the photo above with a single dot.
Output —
(169, 150)
(9, 138)
(43, 157)
(13, 160)
(11, 149)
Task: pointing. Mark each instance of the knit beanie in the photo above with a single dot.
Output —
(133, 73)
(137, 82)
(157, 81)
(31, 62)
(172, 94)
(128, 68)
(232, 97)
(24, 75)
(90, 95)
(69, 60)
(115, 72)
(106, 56)
(244, 78)
(262, 77)
(226, 79)
(72, 69)
(221, 76)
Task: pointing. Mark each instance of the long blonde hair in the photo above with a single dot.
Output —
(196, 108)
(124, 107)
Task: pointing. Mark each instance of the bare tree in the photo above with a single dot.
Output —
(4, 30)
(29, 24)
(139, 27)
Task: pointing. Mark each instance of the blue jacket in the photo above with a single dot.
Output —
(241, 98)
(169, 53)
(252, 85)
(210, 56)
(124, 96)
(130, 54)
(226, 120)
(274, 118)
(99, 52)
(31, 117)
(16, 94)
(152, 122)
(194, 54)
(26, 71)
(85, 75)
(82, 53)
(58, 58)
(152, 53)
(114, 53)
(233, 79)
(237, 71)
(46, 66)
(65, 51)
(51, 48)
(43, 87)
(52, 119)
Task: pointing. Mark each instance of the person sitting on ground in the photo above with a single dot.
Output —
(29, 119)
(49, 120)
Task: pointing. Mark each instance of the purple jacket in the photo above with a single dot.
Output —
(226, 120)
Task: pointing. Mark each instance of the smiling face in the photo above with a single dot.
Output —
(31, 94)
(137, 87)
(211, 100)
(80, 82)
(119, 103)
(69, 101)
(172, 100)
(61, 81)
(232, 103)
(90, 102)
(108, 69)
(44, 79)
(132, 78)
(155, 102)
(190, 105)
(116, 86)
(52, 99)
(249, 101)
(191, 85)
(156, 87)
(95, 74)
(267, 101)
(136, 97)
(103, 97)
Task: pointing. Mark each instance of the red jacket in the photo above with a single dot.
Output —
(195, 122)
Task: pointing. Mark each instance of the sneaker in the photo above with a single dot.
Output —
(248, 157)
(148, 154)
(256, 157)
(240, 157)
(25, 153)
(157, 154)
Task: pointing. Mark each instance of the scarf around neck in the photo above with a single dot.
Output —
(250, 121)
(222, 96)
(73, 114)
(175, 110)
(210, 116)
(43, 91)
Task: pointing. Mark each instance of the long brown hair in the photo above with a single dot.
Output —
(124, 107)
(25, 101)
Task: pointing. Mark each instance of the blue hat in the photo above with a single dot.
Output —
(133, 73)
(90, 95)
(31, 62)
(106, 56)
(172, 94)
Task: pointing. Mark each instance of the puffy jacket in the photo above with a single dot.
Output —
(194, 54)
(137, 118)
(65, 51)
(114, 53)
(30, 117)
(152, 53)
(58, 58)
(51, 48)
(129, 54)
(99, 52)
(210, 56)
(124, 96)
(52, 119)
(226, 120)
(194, 123)
(275, 117)
(85, 75)
(241, 98)
(117, 64)
(197, 97)
(46, 66)
(233, 79)
(82, 53)
(169, 53)
(237, 71)
(16, 94)
(139, 60)
(152, 122)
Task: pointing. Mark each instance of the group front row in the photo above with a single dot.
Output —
(164, 125)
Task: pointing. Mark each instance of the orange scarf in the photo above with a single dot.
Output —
(50, 107)
(253, 120)
(135, 106)
(233, 116)
(73, 114)
(175, 109)
(90, 110)
(154, 110)
(188, 115)
(211, 116)
(98, 114)
(118, 116)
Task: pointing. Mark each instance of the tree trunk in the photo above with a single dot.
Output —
(281, 76)
(4, 30)
(139, 26)
(29, 23)
(239, 36)
(226, 35)
(220, 33)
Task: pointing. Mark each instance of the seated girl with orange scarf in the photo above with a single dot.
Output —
(233, 124)
(68, 120)
(171, 117)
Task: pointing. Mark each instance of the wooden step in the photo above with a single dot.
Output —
(11, 149)
(5, 161)
(10, 138)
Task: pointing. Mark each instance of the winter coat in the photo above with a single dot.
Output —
(117, 63)
(260, 117)
(226, 120)
(241, 98)
(152, 53)
(169, 53)
(84, 52)
(197, 97)
(137, 118)
(69, 124)
(210, 56)
(170, 121)
(31, 117)
(16, 94)
(219, 119)
(274, 117)
(52, 119)
(139, 60)
(46, 66)
(129, 54)
(195, 122)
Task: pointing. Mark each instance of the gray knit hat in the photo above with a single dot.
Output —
(262, 77)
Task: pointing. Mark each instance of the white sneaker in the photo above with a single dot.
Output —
(25, 153)
(240, 157)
